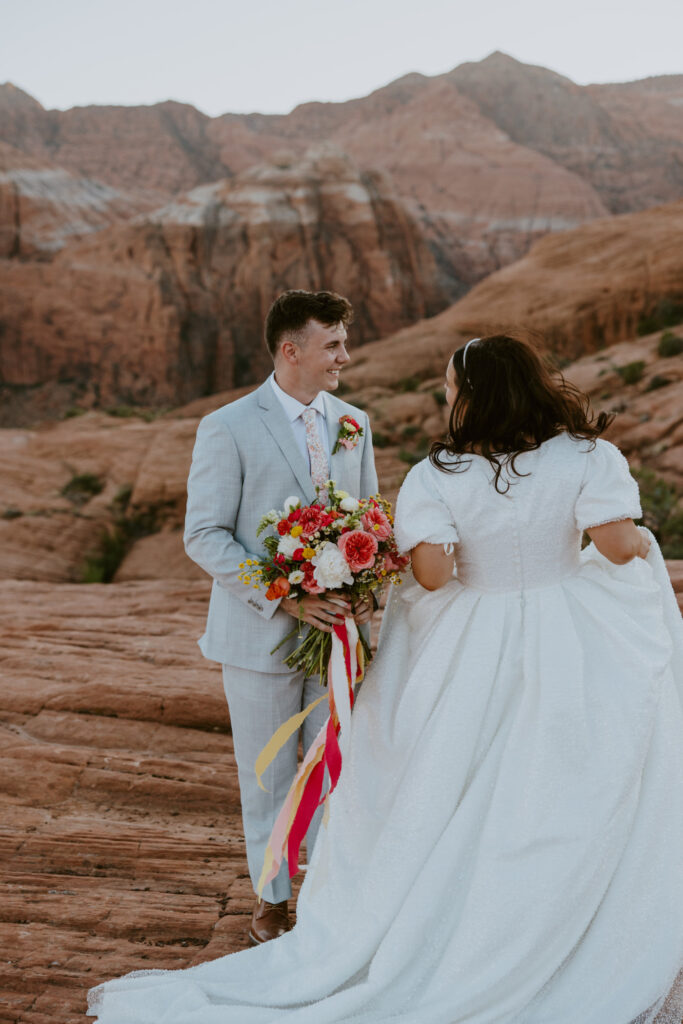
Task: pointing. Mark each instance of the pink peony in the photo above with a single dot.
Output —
(358, 548)
(376, 523)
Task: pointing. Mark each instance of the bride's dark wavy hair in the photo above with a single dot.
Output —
(508, 402)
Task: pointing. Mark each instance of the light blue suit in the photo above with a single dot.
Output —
(245, 462)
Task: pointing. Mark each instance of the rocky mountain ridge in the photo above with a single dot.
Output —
(600, 132)
(142, 245)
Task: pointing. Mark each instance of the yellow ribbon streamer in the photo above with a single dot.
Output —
(279, 738)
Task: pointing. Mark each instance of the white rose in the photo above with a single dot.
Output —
(296, 577)
(291, 503)
(331, 568)
(349, 504)
(288, 545)
(351, 428)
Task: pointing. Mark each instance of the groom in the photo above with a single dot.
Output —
(249, 456)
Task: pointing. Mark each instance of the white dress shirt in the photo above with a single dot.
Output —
(293, 409)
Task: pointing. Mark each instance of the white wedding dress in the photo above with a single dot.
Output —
(504, 845)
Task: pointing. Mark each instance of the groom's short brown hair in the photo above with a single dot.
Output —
(292, 310)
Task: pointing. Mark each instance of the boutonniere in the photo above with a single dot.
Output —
(349, 434)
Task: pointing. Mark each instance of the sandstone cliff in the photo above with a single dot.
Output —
(43, 206)
(163, 148)
(625, 140)
(583, 290)
(171, 306)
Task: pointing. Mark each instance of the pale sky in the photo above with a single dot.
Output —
(270, 55)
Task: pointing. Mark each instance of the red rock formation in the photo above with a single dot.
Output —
(42, 206)
(482, 198)
(482, 161)
(163, 148)
(569, 152)
(582, 290)
(88, 488)
(172, 307)
(122, 841)
(625, 140)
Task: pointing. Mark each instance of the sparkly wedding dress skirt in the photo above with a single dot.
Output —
(504, 845)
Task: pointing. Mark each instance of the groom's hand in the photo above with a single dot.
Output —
(318, 610)
(363, 611)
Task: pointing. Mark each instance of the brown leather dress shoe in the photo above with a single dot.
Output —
(268, 921)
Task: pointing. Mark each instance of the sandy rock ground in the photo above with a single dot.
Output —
(121, 843)
(121, 836)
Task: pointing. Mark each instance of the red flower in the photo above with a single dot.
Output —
(350, 419)
(358, 548)
(283, 527)
(310, 584)
(298, 555)
(393, 562)
(312, 519)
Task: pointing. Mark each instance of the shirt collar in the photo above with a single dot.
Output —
(292, 406)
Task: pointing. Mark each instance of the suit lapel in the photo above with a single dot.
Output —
(279, 426)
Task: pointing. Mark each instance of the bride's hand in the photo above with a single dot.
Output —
(318, 610)
(645, 544)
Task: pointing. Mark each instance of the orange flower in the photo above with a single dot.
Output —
(278, 588)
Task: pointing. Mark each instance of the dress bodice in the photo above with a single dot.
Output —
(529, 536)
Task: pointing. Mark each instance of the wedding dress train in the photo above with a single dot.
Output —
(504, 845)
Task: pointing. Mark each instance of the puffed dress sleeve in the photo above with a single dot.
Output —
(608, 491)
(422, 515)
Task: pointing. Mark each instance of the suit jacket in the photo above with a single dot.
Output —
(246, 462)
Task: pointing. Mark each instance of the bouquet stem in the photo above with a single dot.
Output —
(312, 655)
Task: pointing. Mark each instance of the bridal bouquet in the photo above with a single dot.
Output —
(346, 545)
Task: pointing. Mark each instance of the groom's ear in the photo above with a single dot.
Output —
(288, 351)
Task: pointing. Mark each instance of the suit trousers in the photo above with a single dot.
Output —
(259, 703)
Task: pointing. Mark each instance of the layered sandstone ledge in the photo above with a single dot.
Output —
(122, 846)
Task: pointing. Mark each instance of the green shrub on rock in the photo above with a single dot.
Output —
(662, 513)
(82, 487)
(669, 345)
(657, 382)
(631, 373)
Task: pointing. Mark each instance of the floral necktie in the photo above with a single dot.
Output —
(320, 470)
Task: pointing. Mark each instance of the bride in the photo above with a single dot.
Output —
(504, 845)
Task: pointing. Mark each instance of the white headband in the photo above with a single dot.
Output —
(464, 355)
